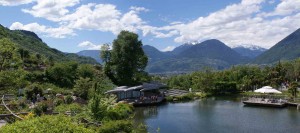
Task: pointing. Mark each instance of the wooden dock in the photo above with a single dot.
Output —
(293, 104)
(265, 102)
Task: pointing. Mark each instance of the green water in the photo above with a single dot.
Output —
(218, 115)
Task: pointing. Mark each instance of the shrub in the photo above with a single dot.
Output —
(45, 124)
(74, 108)
(186, 97)
(68, 99)
(22, 103)
(82, 87)
(33, 90)
(123, 126)
(119, 111)
(40, 108)
(58, 101)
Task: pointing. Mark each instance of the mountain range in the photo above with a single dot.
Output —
(30, 41)
(192, 57)
(215, 54)
(189, 57)
(185, 58)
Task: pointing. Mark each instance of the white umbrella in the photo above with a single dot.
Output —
(267, 89)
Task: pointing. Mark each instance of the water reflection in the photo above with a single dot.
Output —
(218, 115)
(145, 113)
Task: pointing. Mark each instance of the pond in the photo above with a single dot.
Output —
(218, 115)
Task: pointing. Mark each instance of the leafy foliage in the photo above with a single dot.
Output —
(237, 78)
(62, 74)
(74, 108)
(45, 124)
(123, 126)
(8, 54)
(293, 89)
(11, 81)
(82, 87)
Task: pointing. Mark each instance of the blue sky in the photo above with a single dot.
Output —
(74, 25)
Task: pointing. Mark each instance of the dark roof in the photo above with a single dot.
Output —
(144, 87)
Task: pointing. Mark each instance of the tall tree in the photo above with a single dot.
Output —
(127, 60)
(105, 53)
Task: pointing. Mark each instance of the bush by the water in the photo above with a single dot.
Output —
(119, 111)
(186, 97)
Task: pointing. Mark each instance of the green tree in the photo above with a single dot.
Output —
(127, 60)
(82, 87)
(8, 54)
(97, 109)
(62, 74)
(105, 53)
(86, 71)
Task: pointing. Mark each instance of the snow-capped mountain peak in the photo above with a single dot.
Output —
(250, 47)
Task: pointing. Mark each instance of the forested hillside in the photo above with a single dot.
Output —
(31, 42)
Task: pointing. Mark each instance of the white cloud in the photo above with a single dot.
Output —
(169, 48)
(286, 7)
(102, 17)
(139, 9)
(240, 23)
(271, 1)
(60, 32)
(236, 24)
(15, 2)
(89, 45)
(51, 9)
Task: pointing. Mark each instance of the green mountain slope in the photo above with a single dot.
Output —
(31, 42)
(286, 49)
(154, 54)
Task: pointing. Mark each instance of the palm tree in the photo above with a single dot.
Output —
(293, 90)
